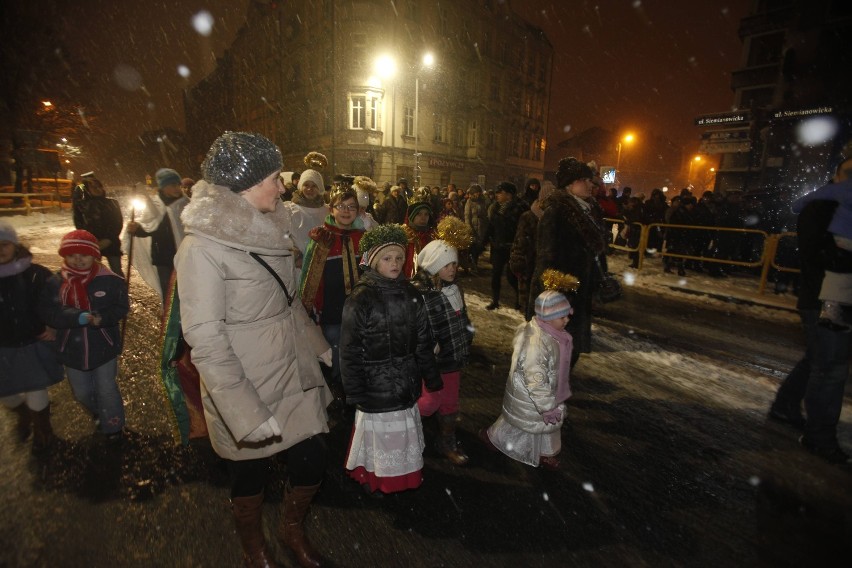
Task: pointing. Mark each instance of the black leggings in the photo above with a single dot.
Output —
(306, 462)
(499, 260)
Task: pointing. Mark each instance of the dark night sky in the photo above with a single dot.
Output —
(621, 64)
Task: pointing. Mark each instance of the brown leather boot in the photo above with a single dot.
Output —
(42, 431)
(291, 532)
(247, 516)
(23, 428)
(447, 444)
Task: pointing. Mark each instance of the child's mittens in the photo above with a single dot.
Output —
(552, 416)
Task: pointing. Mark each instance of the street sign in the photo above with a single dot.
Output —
(724, 118)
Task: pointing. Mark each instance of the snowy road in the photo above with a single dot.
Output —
(667, 461)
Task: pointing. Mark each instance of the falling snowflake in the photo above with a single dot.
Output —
(817, 130)
(589, 487)
(545, 496)
(754, 481)
(183, 71)
(629, 278)
(202, 22)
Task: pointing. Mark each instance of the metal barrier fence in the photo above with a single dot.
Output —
(26, 201)
(768, 251)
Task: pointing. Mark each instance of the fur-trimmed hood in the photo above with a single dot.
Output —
(572, 212)
(218, 213)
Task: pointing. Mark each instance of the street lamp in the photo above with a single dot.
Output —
(693, 162)
(628, 139)
(428, 61)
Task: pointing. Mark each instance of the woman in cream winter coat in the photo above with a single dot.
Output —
(252, 341)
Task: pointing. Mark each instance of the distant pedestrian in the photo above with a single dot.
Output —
(90, 343)
(154, 257)
(819, 378)
(571, 241)
(528, 429)
(523, 253)
(102, 217)
(503, 217)
(436, 280)
(386, 355)
(476, 215)
(29, 362)
(307, 209)
(420, 230)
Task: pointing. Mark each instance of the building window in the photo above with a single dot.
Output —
(357, 111)
(765, 49)
(527, 110)
(458, 133)
(408, 121)
(539, 144)
(472, 134)
(542, 70)
(526, 143)
(374, 113)
(358, 48)
(492, 135)
(439, 133)
(495, 88)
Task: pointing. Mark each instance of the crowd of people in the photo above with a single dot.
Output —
(293, 297)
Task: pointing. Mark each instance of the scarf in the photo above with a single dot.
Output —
(322, 242)
(310, 203)
(73, 291)
(453, 294)
(566, 345)
(15, 267)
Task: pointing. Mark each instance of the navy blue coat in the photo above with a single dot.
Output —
(86, 347)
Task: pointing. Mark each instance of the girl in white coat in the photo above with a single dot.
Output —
(528, 429)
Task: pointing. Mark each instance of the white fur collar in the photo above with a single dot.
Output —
(218, 213)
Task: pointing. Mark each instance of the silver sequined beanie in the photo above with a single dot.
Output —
(240, 160)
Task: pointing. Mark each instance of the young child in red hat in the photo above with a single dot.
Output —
(89, 347)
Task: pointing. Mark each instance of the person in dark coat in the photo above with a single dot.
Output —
(819, 378)
(102, 217)
(682, 241)
(503, 217)
(570, 240)
(532, 187)
(28, 360)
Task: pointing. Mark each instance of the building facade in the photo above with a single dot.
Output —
(792, 99)
(304, 74)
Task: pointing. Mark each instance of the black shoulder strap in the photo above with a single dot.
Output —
(274, 274)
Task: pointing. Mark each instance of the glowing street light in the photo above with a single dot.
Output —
(47, 105)
(627, 139)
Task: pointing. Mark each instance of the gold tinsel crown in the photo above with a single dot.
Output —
(315, 160)
(364, 183)
(560, 281)
(455, 232)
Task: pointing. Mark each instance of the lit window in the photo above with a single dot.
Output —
(472, 134)
(440, 135)
(408, 122)
(357, 109)
(374, 113)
